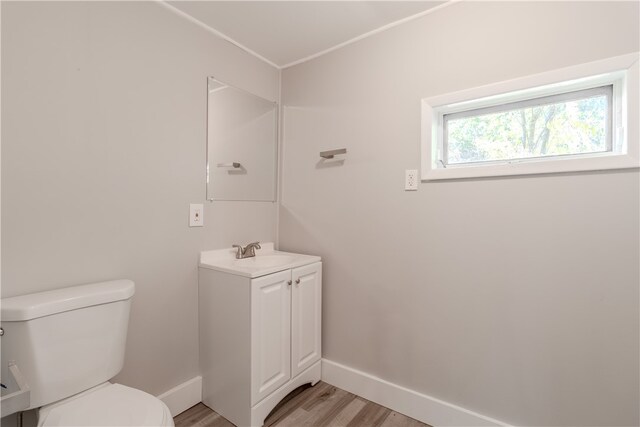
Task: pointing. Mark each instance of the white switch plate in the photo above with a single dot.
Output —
(196, 215)
(410, 180)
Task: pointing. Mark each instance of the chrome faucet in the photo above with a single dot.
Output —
(248, 251)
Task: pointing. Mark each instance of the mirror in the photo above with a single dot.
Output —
(242, 142)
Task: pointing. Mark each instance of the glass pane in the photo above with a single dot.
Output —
(576, 126)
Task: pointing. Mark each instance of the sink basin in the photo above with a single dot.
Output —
(260, 261)
(266, 261)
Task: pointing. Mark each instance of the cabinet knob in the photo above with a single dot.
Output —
(289, 282)
(297, 281)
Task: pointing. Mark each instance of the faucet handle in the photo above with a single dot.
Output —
(250, 249)
(239, 251)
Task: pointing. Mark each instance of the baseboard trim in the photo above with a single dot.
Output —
(411, 403)
(183, 396)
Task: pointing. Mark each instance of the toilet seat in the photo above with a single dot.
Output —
(107, 405)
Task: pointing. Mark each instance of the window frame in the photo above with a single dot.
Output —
(621, 71)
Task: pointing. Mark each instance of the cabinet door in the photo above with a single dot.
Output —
(306, 317)
(270, 334)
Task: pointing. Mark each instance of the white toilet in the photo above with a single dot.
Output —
(68, 343)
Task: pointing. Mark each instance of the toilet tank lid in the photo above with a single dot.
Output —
(40, 304)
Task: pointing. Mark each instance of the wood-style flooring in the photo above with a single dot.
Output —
(320, 406)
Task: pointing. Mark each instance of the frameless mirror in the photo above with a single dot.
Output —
(241, 144)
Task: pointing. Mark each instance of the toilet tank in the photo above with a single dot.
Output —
(67, 340)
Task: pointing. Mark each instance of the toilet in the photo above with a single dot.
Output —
(68, 343)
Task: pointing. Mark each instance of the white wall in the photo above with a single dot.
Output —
(516, 298)
(103, 149)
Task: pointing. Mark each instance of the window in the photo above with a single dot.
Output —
(570, 123)
(573, 119)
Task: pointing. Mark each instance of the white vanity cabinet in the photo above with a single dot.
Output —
(260, 337)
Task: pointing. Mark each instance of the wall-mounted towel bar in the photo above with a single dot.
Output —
(331, 153)
(234, 165)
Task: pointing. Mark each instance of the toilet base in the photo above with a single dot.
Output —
(107, 405)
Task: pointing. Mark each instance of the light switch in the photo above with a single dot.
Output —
(196, 215)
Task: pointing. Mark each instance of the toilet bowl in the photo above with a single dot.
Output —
(107, 405)
(68, 344)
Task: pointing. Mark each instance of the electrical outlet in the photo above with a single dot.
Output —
(196, 215)
(410, 180)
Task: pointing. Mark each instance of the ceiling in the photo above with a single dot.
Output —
(287, 32)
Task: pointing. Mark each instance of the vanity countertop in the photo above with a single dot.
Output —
(266, 261)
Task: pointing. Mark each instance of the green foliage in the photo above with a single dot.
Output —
(572, 127)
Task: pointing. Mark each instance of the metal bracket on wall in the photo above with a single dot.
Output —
(234, 165)
(331, 153)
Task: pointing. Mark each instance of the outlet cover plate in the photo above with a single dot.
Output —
(411, 180)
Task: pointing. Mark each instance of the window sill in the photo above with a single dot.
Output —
(534, 167)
